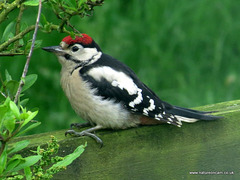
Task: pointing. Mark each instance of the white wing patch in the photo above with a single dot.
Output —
(151, 107)
(185, 119)
(137, 100)
(118, 79)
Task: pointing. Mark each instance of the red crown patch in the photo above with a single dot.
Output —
(85, 40)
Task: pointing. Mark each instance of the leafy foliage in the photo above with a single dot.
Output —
(50, 164)
(14, 122)
(13, 41)
(15, 119)
(41, 166)
(9, 86)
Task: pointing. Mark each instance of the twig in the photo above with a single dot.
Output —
(56, 27)
(3, 94)
(3, 86)
(25, 70)
(11, 54)
(18, 26)
(74, 29)
(3, 145)
(17, 37)
(96, 3)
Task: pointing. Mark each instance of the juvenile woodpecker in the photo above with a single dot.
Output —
(108, 94)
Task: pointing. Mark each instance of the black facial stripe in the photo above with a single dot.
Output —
(76, 61)
(69, 58)
(81, 64)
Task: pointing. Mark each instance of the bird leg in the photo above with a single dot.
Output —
(80, 125)
(87, 133)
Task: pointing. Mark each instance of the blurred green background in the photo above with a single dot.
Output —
(187, 51)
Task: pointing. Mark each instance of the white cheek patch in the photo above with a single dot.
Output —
(85, 54)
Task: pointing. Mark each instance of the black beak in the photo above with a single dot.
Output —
(54, 49)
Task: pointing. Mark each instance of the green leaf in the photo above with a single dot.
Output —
(12, 164)
(71, 157)
(71, 3)
(29, 128)
(24, 115)
(2, 98)
(47, 27)
(80, 2)
(14, 161)
(9, 121)
(43, 19)
(3, 109)
(24, 102)
(21, 42)
(29, 81)
(29, 161)
(18, 146)
(38, 44)
(28, 173)
(30, 117)
(3, 160)
(14, 109)
(31, 3)
(8, 76)
(12, 87)
(27, 47)
(69, 8)
(8, 32)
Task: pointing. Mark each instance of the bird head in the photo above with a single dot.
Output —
(79, 51)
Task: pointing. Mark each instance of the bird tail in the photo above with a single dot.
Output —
(190, 115)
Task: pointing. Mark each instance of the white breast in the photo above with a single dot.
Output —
(93, 108)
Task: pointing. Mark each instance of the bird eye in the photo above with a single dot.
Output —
(74, 48)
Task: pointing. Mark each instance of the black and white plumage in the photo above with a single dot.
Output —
(108, 94)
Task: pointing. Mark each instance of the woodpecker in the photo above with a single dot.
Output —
(108, 94)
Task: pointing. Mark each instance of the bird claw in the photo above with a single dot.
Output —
(85, 133)
(71, 132)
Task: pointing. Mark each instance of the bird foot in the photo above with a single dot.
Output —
(84, 133)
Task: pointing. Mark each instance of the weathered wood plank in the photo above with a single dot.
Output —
(158, 152)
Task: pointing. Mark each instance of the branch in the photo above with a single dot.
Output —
(17, 37)
(56, 27)
(96, 3)
(74, 29)
(25, 70)
(3, 87)
(12, 54)
(8, 9)
(18, 25)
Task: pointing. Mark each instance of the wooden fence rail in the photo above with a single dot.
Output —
(202, 150)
